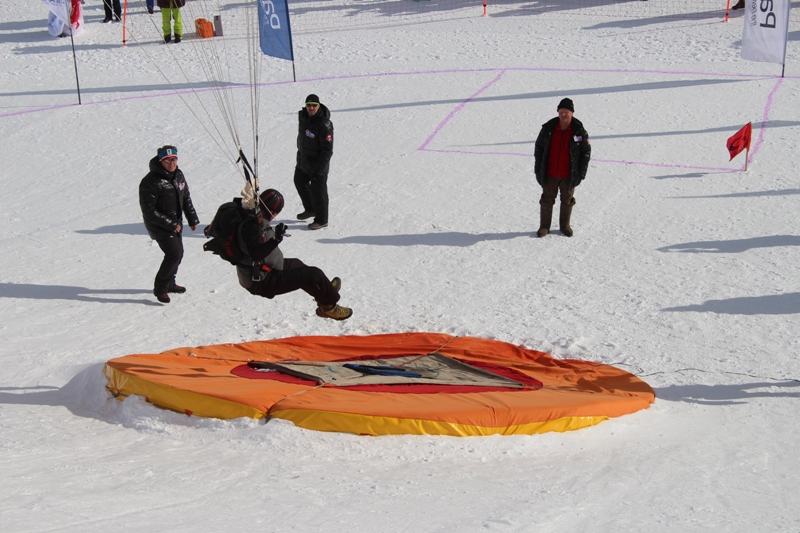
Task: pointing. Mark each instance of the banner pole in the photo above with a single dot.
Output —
(727, 10)
(74, 58)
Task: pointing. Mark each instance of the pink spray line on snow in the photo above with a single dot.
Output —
(765, 118)
(441, 125)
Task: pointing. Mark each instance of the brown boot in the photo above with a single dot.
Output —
(336, 312)
(740, 5)
(563, 219)
(545, 215)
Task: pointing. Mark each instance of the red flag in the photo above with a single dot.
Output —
(740, 140)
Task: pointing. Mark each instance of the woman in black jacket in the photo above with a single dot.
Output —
(164, 199)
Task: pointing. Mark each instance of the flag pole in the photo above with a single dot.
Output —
(124, 22)
(747, 151)
(75, 62)
(74, 59)
(291, 42)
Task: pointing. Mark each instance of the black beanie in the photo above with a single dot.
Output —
(566, 103)
(312, 99)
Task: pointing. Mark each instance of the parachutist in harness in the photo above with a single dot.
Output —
(245, 238)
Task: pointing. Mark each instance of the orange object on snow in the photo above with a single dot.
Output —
(400, 383)
(204, 28)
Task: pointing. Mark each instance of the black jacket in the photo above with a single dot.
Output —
(258, 242)
(580, 152)
(315, 141)
(171, 3)
(164, 199)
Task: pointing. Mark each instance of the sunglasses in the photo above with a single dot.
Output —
(170, 160)
(312, 105)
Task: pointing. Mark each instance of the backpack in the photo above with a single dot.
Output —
(225, 233)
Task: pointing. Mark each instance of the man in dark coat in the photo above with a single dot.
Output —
(562, 154)
(314, 151)
(164, 199)
(265, 272)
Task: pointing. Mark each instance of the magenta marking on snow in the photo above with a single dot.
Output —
(246, 86)
(126, 98)
(36, 110)
(458, 108)
(665, 165)
(644, 71)
(639, 163)
(764, 120)
(594, 160)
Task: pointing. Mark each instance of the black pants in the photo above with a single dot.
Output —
(117, 9)
(297, 275)
(313, 191)
(172, 246)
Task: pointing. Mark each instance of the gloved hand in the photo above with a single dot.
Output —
(280, 232)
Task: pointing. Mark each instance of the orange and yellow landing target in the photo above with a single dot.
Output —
(505, 389)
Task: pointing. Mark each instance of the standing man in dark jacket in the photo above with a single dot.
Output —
(314, 151)
(164, 199)
(562, 154)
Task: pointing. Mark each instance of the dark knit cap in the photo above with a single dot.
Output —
(312, 99)
(566, 103)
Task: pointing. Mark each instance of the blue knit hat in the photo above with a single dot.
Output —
(166, 152)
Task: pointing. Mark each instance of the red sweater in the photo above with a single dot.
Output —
(558, 160)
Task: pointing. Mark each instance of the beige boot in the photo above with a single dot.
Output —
(336, 312)
(563, 219)
(545, 216)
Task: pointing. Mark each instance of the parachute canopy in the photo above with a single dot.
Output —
(401, 383)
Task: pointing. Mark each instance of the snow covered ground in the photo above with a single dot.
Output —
(684, 270)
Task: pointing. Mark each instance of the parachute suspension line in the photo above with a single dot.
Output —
(132, 35)
(254, 71)
(211, 66)
(216, 64)
(216, 67)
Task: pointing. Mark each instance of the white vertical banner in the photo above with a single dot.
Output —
(59, 16)
(766, 27)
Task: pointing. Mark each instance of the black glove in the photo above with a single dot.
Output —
(280, 231)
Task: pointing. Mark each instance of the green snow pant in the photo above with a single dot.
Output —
(168, 13)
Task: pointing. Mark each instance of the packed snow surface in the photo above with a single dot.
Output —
(684, 270)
